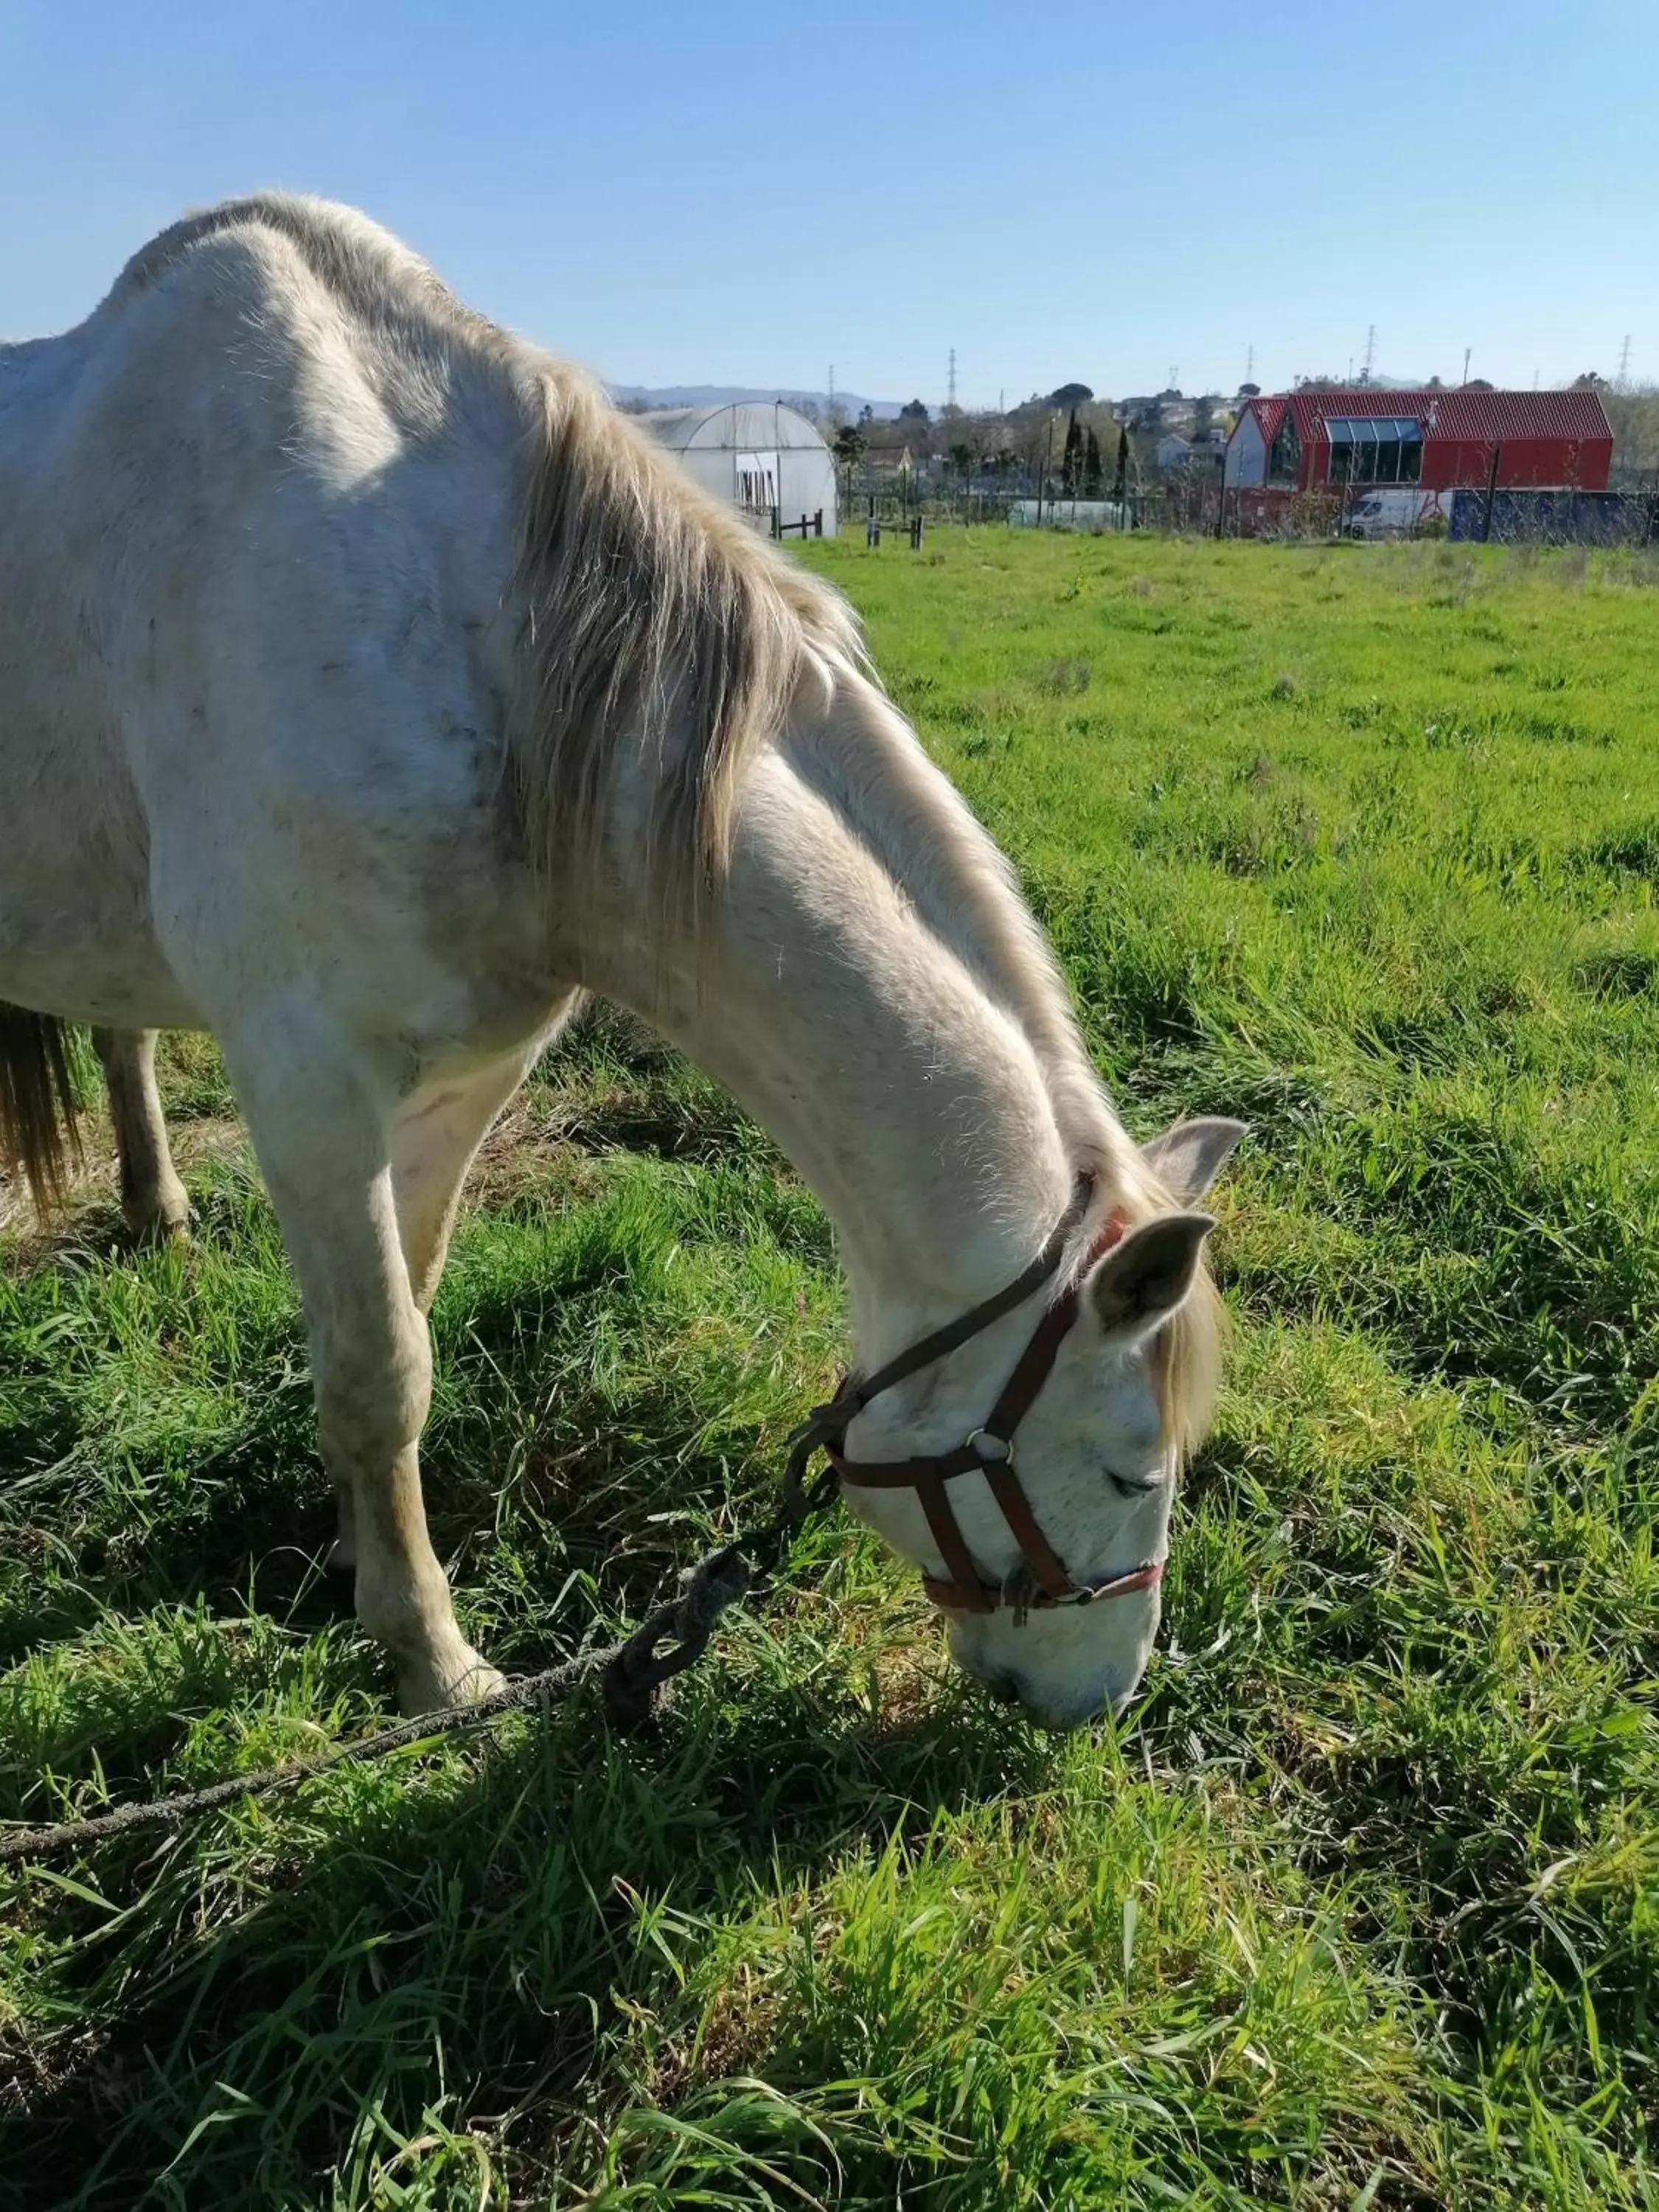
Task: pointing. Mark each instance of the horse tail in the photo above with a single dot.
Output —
(38, 1131)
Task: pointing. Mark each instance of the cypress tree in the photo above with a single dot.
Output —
(1071, 466)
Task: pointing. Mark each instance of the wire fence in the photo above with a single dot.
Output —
(1202, 505)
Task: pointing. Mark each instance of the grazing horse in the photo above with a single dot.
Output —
(370, 689)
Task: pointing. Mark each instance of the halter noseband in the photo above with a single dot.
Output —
(1044, 1581)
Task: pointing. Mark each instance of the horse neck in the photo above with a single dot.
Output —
(875, 994)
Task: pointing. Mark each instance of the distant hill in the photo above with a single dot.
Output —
(851, 403)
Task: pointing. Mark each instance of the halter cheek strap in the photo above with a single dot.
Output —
(1043, 1580)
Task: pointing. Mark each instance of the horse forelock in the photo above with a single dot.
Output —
(1185, 1356)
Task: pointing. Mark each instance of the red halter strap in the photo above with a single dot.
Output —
(990, 1451)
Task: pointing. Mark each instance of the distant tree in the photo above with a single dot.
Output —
(1071, 397)
(1071, 463)
(866, 414)
(1037, 424)
(962, 460)
(1249, 391)
(915, 411)
(1634, 414)
(1121, 477)
(1203, 417)
(1093, 468)
(849, 445)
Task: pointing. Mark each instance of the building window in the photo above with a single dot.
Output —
(1285, 459)
(1376, 449)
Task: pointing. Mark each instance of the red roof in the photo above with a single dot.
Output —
(1470, 417)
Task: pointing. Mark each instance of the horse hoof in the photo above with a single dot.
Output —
(425, 1690)
(167, 1222)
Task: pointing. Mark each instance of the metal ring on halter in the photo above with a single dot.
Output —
(1002, 1456)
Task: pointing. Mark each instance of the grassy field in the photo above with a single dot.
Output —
(1359, 1910)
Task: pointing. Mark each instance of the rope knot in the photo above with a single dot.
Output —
(675, 1636)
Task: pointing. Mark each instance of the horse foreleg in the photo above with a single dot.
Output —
(436, 1136)
(323, 1134)
(153, 1199)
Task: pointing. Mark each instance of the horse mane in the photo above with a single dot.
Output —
(649, 613)
(647, 601)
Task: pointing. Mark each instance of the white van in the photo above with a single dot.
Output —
(1395, 511)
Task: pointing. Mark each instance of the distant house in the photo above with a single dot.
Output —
(1177, 455)
(1305, 441)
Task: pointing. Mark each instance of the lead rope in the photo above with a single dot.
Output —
(671, 1637)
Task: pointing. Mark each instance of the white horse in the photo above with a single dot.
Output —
(369, 690)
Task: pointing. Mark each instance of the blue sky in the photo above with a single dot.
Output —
(743, 194)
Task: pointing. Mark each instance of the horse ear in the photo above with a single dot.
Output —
(1141, 1281)
(1189, 1156)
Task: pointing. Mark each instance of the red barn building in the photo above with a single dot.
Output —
(1308, 442)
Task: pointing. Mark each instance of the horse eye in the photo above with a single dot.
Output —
(1126, 1487)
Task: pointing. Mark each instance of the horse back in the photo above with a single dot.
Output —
(254, 543)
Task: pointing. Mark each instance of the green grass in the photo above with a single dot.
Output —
(1361, 1909)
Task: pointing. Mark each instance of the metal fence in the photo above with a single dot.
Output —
(1203, 506)
(1518, 517)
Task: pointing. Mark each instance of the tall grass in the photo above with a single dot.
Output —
(1361, 1908)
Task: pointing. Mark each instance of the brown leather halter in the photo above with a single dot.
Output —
(1044, 1582)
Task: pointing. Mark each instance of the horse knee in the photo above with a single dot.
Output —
(372, 1402)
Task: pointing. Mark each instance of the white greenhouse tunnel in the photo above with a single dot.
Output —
(760, 456)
